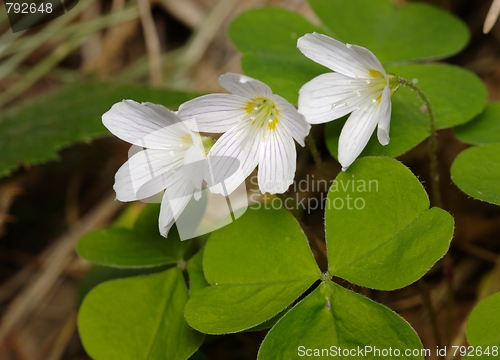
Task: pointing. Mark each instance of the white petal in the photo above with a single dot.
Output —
(357, 131)
(245, 86)
(333, 54)
(174, 202)
(331, 96)
(277, 163)
(384, 123)
(145, 174)
(290, 120)
(237, 149)
(213, 113)
(367, 58)
(147, 125)
(194, 166)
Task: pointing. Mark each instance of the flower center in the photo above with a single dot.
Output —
(378, 84)
(263, 111)
(187, 140)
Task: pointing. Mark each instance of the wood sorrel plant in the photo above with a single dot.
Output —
(259, 271)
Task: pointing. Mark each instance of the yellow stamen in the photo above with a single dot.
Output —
(375, 73)
(249, 107)
(271, 123)
(263, 111)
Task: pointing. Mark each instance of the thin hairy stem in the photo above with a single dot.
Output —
(434, 169)
(316, 156)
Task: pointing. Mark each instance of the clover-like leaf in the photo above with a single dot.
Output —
(332, 320)
(483, 328)
(482, 130)
(456, 96)
(476, 171)
(257, 266)
(142, 246)
(414, 31)
(112, 328)
(267, 38)
(380, 231)
(194, 268)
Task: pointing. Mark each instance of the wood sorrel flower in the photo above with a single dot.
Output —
(359, 85)
(169, 158)
(259, 130)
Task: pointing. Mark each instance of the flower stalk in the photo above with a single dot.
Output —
(316, 156)
(434, 170)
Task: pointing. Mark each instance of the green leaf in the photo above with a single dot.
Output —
(124, 248)
(257, 266)
(476, 172)
(194, 268)
(69, 115)
(456, 95)
(380, 232)
(334, 318)
(483, 326)
(267, 38)
(99, 274)
(142, 246)
(138, 318)
(484, 129)
(415, 31)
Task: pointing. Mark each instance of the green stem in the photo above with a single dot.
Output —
(434, 169)
(316, 156)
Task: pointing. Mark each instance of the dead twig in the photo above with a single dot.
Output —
(152, 43)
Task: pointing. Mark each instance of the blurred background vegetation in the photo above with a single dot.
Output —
(58, 164)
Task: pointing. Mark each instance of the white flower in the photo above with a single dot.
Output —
(169, 161)
(259, 130)
(359, 85)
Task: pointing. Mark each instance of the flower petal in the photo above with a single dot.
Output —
(213, 113)
(334, 55)
(291, 120)
(194, 166)
(366, 57)
(245, 86)
(331, 96)
(236, 149)
(146, 174)
(174, 202)
(147, 125)
(277, 163)
(384, 123)
(357, 131)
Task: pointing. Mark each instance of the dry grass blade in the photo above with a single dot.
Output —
(152, 43)
(57, 55)
(25, 303)
(38, 39)
(77, 30)
(201, 40)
